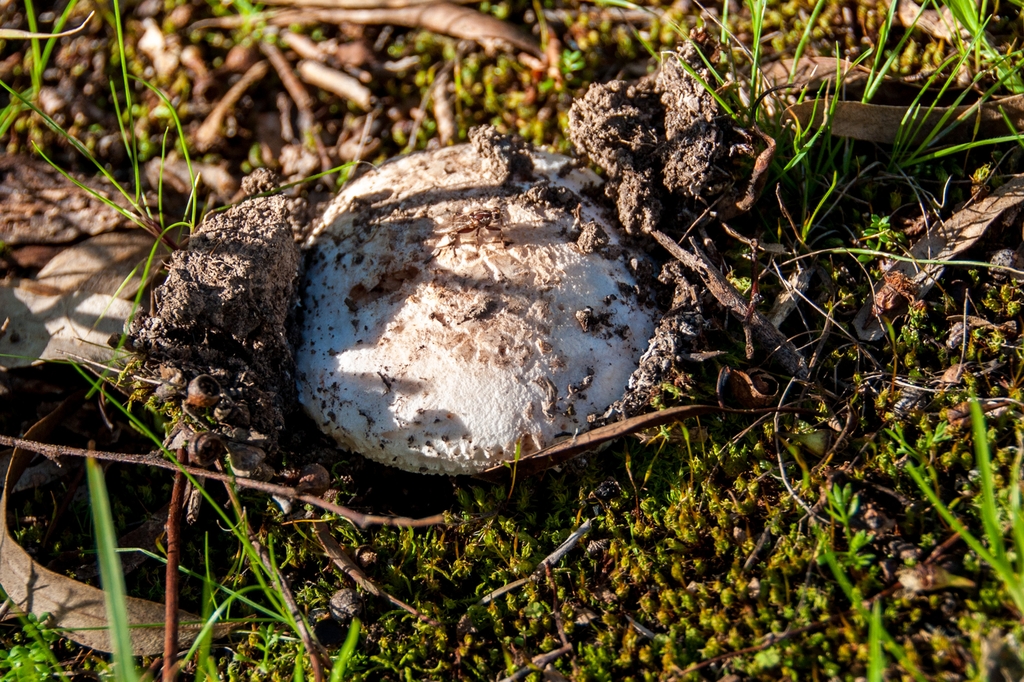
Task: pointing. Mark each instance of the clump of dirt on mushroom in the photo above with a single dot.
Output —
(218, 336)
(659, 139)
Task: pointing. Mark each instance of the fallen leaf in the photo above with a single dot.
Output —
(111, 263)
(939, 25)
(63, 327)
(886, 124)
(38, 205)
(928, 578)
(812, 72)
(940, 243)
(77, 609)
(756, 389)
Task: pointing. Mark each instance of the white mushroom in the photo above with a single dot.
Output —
(460, 307)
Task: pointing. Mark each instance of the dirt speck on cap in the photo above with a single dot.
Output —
(224, 306)
(658, 140)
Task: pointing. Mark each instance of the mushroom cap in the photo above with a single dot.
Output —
(451, 320)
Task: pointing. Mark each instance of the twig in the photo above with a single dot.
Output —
(209, 131)
(308, 641)
(538, 663)
(565, 450)
(303, 101)
(155, 460)
(769, 640)
(342, 560)
(171, 573)
(762, 329)
(544, 566)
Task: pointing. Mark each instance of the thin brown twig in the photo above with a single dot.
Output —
(155, 460)
(538, 663)
(303, 102)
(171, 575)
(343, 561)
(311, 644)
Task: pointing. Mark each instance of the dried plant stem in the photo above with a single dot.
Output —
(303, 101)
(171, 579)
(156, 460)
(312, 645)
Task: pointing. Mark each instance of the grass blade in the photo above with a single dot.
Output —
(111, 576)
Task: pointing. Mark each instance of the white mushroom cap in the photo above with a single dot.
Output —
(442, 349)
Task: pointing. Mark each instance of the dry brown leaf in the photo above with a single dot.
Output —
(73, 607)
(756, 389)
(942, 242)
(939, 25)
(440, 17)
(38, 205)
(811, 72)
(883, 123)
(64, 327)
(111, 264)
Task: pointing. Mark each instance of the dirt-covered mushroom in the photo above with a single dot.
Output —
(464, 305)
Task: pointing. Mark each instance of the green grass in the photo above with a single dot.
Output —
(111, 576)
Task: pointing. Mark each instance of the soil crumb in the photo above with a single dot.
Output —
(223, 311)
(658, 139)
(675, 341)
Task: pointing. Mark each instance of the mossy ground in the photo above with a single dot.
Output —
(697, 549)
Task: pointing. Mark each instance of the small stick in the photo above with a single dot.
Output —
(303, 101)
(544, 567)
(343, 561)
(538, 663)
(171, 579)
(155, 460)
(209, 131)
(763, 330)
(308, 641)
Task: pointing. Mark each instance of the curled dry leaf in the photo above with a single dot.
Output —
(72, 326)
(73, 607)
(440, 17)
(939, 24)
(756, 389)
(111, 264)
(940, 243)
(887, 124)
(38, 205)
